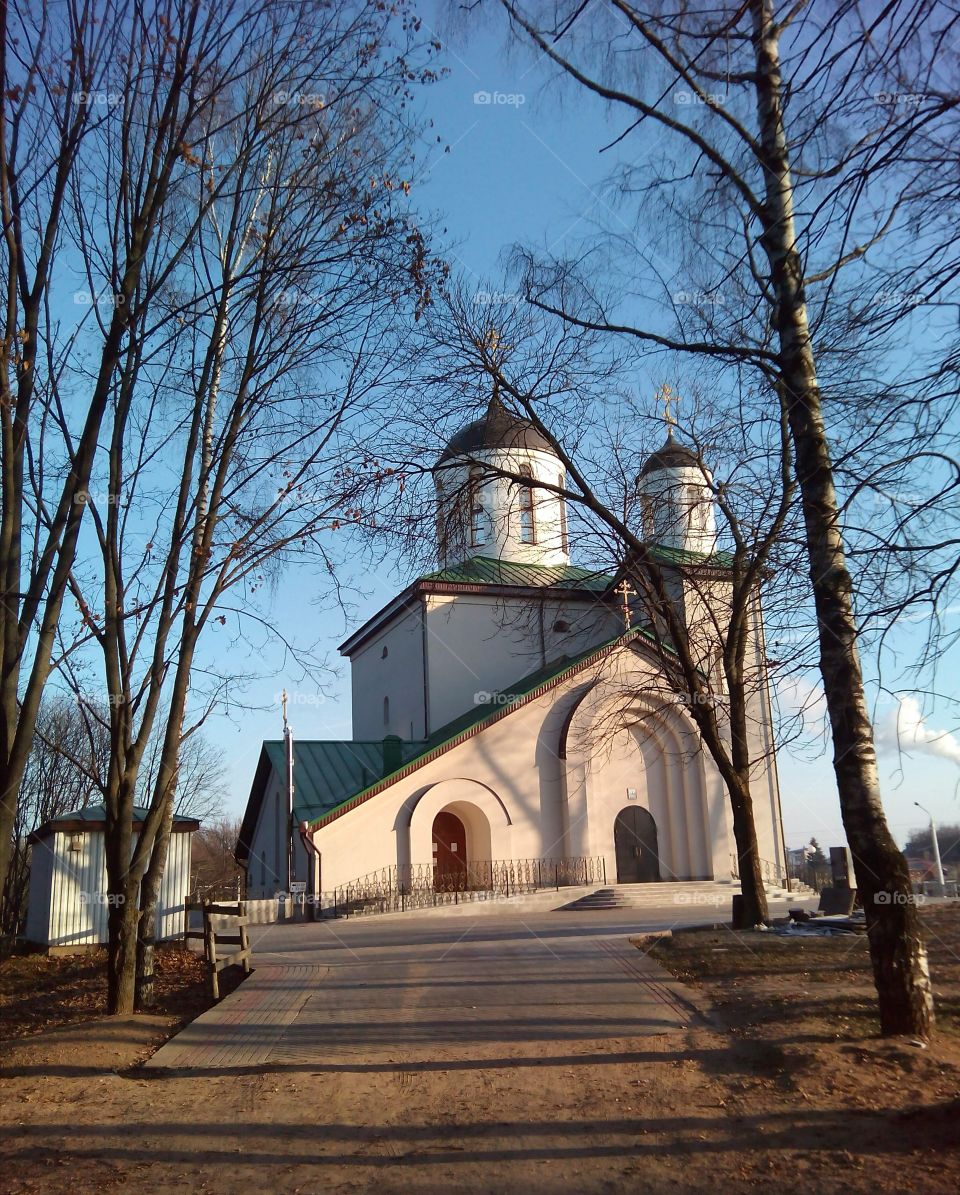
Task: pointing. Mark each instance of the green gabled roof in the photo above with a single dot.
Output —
(484, 570)
(327, 772)
(472, 721)
(664, 555)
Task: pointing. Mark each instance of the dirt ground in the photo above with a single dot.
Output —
(38, 992)
(787, 1088)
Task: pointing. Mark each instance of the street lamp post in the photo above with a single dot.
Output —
(937, 865)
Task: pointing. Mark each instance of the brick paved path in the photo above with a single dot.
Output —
(348, 992)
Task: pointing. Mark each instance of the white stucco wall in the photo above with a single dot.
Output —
(397, 676)
(267, 864)
(538, 805)
(480, 645)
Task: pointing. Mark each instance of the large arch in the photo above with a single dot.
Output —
(672, 778)
(481, 810)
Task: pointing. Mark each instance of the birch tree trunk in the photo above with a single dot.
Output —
(897, 950)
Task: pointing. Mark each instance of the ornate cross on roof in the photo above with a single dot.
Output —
(666, 395)
(625, 589)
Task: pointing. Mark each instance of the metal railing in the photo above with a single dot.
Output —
(771, 873)
(400, 887)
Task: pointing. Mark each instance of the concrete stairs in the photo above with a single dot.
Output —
(696, 893)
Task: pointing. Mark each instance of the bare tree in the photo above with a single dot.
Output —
(257, 361)
(788, 172)
(114, 92)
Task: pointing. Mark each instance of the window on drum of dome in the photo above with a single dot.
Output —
(528, 523)
(478, 514)
(564, 538)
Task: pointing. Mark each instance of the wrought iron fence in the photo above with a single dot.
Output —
(771, 873)
(423, 885)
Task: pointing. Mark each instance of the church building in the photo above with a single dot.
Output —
(510, 710)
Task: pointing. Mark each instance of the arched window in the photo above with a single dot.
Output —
(564, 538)
(528, 521)
(386, 711)
(478, 515)
(385, 652)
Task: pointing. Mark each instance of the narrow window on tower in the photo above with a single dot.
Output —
(386, 711)
(528, 525)
(564, 538)
(478, 515)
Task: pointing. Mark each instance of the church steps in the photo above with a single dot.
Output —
(658, 895)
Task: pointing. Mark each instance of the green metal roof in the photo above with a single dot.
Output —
(327, 772)
(484, 570)
(664, 555)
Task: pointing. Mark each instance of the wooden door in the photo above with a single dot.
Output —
(449, 853)
(635, 840)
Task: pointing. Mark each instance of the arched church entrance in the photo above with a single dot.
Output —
(635, 840)
(449, 853)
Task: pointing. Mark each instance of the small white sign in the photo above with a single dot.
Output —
(298, 887)
(631, 794)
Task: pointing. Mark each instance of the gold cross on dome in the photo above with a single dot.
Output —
(493, 342)
(666, 395)
(625, 590)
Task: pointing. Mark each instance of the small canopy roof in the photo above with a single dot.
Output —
(94, 817)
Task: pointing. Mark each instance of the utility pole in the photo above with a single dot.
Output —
(288, 752)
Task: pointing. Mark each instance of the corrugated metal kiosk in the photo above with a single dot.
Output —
(67, 907)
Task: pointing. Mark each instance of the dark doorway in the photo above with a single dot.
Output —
(635, 839)
(449, 853)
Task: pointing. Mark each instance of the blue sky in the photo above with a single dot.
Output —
(523, 166)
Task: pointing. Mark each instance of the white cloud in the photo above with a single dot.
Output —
(904, 729)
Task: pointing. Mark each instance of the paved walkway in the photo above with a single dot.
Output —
(339, 994)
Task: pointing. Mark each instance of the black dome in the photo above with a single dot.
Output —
(497, 429)
(671, 456)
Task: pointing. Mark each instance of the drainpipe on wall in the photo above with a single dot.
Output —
(307, 839)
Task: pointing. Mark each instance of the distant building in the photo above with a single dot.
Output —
(67, 906)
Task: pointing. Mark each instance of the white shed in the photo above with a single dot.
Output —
(67, 906)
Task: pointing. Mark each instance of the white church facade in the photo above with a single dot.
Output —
(507, 712)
